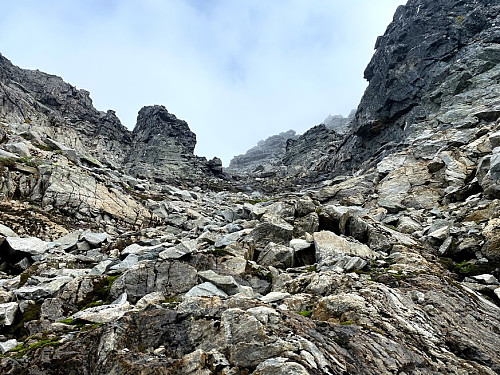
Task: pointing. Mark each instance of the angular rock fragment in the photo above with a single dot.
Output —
(276, 255)
(8, 313)
(205, 289)
(331, 247)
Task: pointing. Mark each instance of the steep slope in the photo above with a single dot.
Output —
(43, 107)
(435, 68)
(393, 269)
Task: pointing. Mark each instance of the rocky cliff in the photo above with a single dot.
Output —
(426, 75)
(290, 155)
(387, 264)
(263, 157)
(162, 147)
(44, 109)
(339, 123)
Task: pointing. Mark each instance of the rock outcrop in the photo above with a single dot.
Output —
(38, 105)
(163, 147)
(79, 165)
(53, 114)
(290, 155)
(339, 123)
(426, 75)
(264, 157)
(305, 154)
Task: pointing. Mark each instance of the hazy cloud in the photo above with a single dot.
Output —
(236, 70)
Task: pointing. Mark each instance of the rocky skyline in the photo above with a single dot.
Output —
(217, 64)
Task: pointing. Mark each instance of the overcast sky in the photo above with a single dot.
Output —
(237, 71)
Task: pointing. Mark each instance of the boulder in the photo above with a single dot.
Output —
(486, 279)
(330, 247)
(69, 241)
(279, 366)
(168, 277)
(180, 250)
(231, 238)
(8, 345)
(8, 312)
(94, 239)
(274, 297)
(491, 246)
(43, 290)
(272, 229)
(205, 289)
(225, 283)
(341, 307)
(105, 313)
(18, 148)
(276, 255)
(7, 232)
(489, 174)
(31, 246)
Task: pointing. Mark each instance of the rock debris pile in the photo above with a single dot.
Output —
(375, 250)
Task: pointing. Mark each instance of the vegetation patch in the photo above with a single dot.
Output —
(30, 161)
(25, 275)
(347, 323)
(306, 313)
(460, 19)
(7, 162)
(80, 324)
(102, 289)
(170, 300)
(468, 268)
(100, 293)
(43, 147)
(24, 349)
(312, 268)
(17, 329)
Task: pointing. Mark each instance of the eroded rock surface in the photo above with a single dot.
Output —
(389, 268)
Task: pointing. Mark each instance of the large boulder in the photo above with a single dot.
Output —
(334, 250)
(272, 229)
(489, 174)
(168, 277)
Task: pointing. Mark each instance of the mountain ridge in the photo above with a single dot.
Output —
(67, 115)
(372, 252)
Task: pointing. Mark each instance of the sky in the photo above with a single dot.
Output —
(237, 71)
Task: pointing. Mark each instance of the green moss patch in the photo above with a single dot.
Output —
(306, 313)
(25, 349)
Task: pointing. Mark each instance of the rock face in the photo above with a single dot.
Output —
(288, 154)
(58, 152)
(338, 123)
(264, 156)
(163, 147)
(308, 151)
(39, 104)
(426, 74)
(394, 269)
(44, 108)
